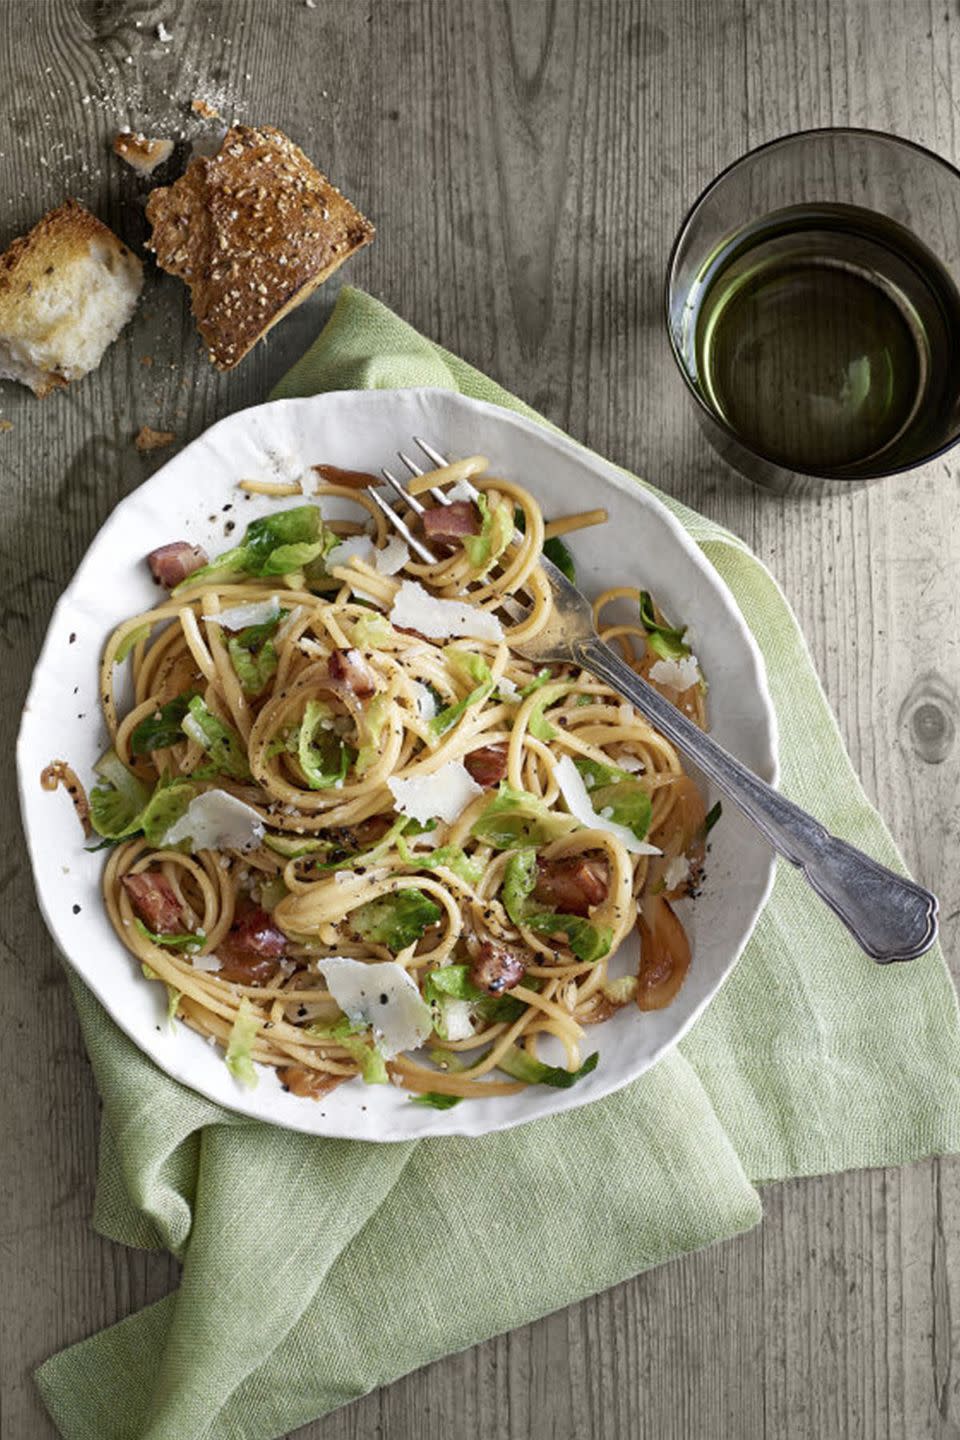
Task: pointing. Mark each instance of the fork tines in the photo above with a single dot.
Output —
(416, 545)
(438, 461)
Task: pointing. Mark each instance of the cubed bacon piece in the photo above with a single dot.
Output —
(350, 668)
(252, 948)
(309, 1084)
(487, 765)
(572, 884)
(497, 968)
(451, 522)
(155, 901)
(174, 562)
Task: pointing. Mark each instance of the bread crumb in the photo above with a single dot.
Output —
(5, 425)
(150, 439)
(146, 360)
(163, 34)
(206, 110)
(141, 154)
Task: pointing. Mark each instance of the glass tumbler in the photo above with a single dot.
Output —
(813, 309)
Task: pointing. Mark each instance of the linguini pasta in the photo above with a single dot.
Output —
(338, 840)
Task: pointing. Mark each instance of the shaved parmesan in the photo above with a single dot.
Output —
(463, 490)
(415, 609)
(426, 700)
(387, 561)
(380, 995)
(392, 557)
(440, 796)
(258, 612)
(678, 674)
(360, 546)
(578, 803)
(507, 688)
(217, 821)
(630, 763)
(357, 547)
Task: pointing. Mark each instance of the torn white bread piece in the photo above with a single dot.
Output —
(66, 291)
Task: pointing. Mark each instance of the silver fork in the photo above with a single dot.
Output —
(890, 916)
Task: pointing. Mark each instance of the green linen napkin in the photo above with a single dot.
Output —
(314, 1270)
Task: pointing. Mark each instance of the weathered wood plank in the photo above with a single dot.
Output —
(527, 165)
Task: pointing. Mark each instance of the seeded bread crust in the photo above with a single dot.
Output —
(44, 341)
(252, 230)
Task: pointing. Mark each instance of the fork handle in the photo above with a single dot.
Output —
(889, 915)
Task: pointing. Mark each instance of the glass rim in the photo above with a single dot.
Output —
(715, 419)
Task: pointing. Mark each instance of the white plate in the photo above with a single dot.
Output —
(195, 497)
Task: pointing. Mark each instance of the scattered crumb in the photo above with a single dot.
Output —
(141, 154)
(163, 34)
(206, 110)
(146, 360)
(5, 425)
(310, 4)
(114, 96)
(150, 439)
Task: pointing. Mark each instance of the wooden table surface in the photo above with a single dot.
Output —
(527, 165)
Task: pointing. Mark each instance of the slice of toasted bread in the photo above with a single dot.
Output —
(252, 230)
(66, 291)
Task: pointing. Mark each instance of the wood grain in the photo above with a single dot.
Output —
(527, 163)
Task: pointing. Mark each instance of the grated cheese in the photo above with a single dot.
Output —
(209, 964)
